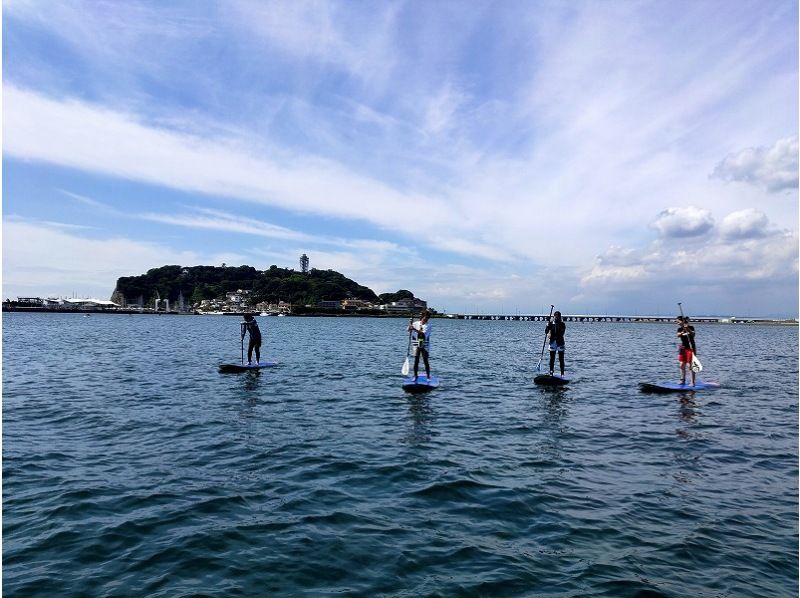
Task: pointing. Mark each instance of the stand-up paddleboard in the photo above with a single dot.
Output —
(554, 380)
(233, 368)
(423, 384)
(676, 386)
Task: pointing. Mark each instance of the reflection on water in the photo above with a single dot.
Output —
(687, 407)
(421, 414)
(251, 381)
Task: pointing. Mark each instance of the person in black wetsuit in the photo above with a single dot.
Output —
(687, 349)
(250, 326)
(555, 330)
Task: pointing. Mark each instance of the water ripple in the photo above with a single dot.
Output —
(136, 469)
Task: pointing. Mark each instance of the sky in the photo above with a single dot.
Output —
(610, 157)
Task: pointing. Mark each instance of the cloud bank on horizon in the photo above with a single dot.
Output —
(606, 157)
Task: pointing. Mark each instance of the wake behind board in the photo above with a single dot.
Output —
(423, 384)
(233, 368)
(548, 380)
(666, 386)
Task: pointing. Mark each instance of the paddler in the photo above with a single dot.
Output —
(421, 339)
(250, 326)
(687, 348)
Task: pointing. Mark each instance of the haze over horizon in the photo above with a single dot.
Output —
(611, 157)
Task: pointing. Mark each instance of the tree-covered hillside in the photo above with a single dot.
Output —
(196, 283)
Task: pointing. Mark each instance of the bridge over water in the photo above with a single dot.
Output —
(622, 318)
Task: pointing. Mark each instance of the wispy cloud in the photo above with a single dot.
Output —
(517, 137)
(218, 220)
(47, 260)
(81, 136)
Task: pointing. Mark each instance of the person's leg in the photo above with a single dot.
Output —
(561, 361)
(427, 364)
(683, 372)
(258, 352)
(416, 363)
(691, 369)
(552, 361)
(250, 352)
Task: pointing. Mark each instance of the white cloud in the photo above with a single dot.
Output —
(745, 252)
(47, 260)
(564, 134)
(774, 168)
(82, 136)
(744, 224)
(690, 221)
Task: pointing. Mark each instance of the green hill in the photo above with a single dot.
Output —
(196, 283)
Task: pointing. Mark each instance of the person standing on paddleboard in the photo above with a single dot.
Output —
(555, 330)
(250, 326)
(687, 349)
(421, 334)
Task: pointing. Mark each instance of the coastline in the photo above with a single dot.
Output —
(589, 318)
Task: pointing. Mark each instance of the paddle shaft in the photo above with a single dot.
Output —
(241, 335)
(544, 342)
(405, 368)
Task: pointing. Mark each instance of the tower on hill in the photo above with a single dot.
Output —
(304, 264)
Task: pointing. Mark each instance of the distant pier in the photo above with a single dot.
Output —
(624, 319)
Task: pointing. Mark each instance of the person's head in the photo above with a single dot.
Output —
(248, 318)
(557, 316)
(425, 316)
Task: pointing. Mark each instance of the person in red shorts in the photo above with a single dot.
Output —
(687, 349)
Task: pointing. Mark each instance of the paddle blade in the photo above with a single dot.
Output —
(406, 367)
(696, 365)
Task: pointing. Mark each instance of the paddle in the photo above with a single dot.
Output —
(241, 336)
(406, 365)
(544, 342)
(695, 366)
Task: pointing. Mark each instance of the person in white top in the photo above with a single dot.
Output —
(421, 333)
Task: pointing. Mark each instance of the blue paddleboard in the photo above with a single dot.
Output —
(665, 386)
(554, 380)
(233, 368)
(423, 384)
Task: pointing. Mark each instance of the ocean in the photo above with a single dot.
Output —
(132, 467)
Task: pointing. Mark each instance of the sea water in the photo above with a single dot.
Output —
(131, 467)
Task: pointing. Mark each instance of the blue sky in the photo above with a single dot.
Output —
(608, 157)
